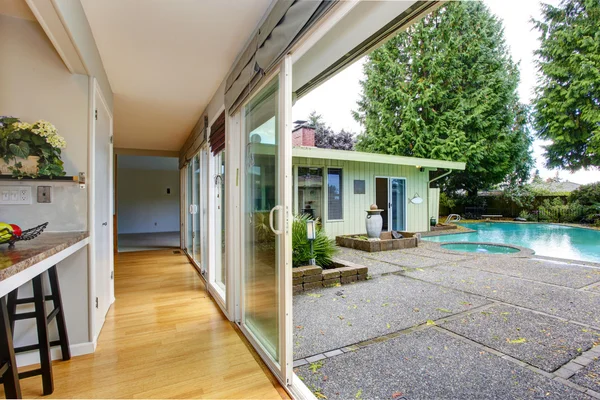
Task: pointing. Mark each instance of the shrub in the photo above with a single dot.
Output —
(527, 216)
(324, 248)
(587, 195)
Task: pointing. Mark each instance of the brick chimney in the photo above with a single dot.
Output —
(303, 135)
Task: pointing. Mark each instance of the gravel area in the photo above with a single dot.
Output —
(577, 305)
(589, 377)
(542, 341)
(558, 273)
(428, 364)
(330, 318)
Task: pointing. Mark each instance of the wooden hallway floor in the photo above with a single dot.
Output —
(163, 338)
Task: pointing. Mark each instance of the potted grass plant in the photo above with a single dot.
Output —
(30, 150)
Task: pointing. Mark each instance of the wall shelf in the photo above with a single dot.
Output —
(74, 179)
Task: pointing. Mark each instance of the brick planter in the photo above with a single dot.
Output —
(313, 277)
(386, 242)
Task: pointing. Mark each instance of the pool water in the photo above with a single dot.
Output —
(480, 248)
(545, 239)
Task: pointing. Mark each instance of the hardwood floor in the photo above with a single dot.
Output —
(163, 338)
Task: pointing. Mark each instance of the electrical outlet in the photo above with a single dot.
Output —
(15, 195)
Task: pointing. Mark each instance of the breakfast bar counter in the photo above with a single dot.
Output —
(26, 260)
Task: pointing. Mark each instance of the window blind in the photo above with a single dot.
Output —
(217, 135)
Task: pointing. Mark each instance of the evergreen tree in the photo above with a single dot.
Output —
(567, 103)
(326, 138)
(446, 89)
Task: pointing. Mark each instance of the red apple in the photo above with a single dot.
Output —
(16, 230)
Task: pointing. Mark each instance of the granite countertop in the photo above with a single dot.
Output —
(28, 253)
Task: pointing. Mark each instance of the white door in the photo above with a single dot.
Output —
(102, 220)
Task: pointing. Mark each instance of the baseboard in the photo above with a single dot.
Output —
(33, 357)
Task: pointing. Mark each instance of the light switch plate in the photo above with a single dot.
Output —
(15, 195)
(44, 194)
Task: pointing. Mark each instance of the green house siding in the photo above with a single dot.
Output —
(354, 205)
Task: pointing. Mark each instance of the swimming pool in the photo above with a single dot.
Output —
(545, 239)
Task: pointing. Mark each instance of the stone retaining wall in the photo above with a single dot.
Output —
(313, 277)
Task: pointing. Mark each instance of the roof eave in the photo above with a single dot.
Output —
(344, 155)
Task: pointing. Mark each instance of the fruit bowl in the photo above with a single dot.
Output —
(11, 236)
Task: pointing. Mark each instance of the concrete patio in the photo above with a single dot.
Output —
(437, 324)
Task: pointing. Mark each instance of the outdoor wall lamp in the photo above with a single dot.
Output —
(311, 235)
(416, 199)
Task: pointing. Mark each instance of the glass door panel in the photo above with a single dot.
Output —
(398, 202)
(220, 267)
(196, 216)
(203, 214)
(189, 237)
(261, 216)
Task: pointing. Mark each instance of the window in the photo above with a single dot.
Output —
(334, 196)
(310, 191)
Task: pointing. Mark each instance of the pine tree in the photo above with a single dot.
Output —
(567, 103)
(446, 89)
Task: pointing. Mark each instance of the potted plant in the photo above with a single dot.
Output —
(30, 150)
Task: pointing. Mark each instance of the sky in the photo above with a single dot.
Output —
(336, 98)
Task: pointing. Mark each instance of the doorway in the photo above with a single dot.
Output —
(147, 199)
(390, 196)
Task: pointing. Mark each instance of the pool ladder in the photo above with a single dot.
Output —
(452, 218)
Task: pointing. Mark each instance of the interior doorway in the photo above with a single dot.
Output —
(390, 196)
(147, 199)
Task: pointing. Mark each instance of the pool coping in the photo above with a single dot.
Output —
(567, 224)
(523, 252)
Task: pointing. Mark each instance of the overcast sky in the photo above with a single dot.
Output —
(336, 98)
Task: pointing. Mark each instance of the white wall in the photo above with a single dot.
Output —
(142, 200)
(35, 84)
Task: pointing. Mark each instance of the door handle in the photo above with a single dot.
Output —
(275, 231)
(105, 224)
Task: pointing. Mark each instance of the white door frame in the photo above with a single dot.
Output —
(94, 88)
(389, 199)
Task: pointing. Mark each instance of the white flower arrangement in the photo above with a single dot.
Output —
(21, 140)
(44, 129)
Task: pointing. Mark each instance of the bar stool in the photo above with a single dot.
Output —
(42, 321)
(8, 365)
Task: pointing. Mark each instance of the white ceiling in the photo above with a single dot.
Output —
(165, 60)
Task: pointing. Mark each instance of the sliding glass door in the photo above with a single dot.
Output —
(196, 253)
(267, 201)
(263, 219)
(196, 237)
(398, 203)
(189, 191)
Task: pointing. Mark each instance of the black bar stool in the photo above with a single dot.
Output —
(42, 321)
(8, 365)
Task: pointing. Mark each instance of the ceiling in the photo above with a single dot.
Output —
(165, 60)
(16, 8)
